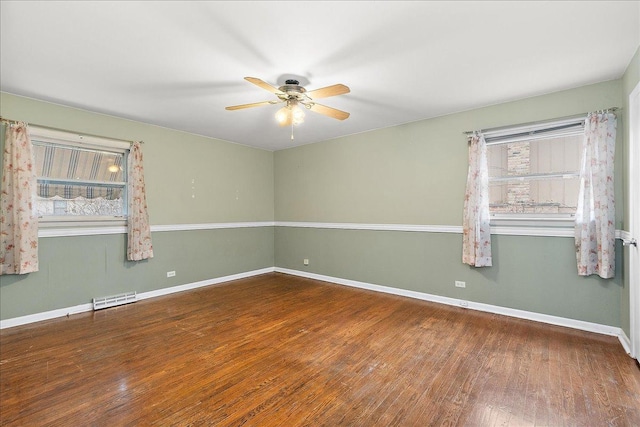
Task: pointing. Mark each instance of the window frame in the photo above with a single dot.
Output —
(42, 136)
(540, 130)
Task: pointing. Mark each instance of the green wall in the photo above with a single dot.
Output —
(409, 174)
(73, 270)
(230, 182)
(430, 263)
(416, 174)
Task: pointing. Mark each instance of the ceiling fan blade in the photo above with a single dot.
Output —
(328, 111)
(328, 91)
(264, 85)
(255, 104)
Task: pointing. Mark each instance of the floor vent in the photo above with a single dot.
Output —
(120, 299)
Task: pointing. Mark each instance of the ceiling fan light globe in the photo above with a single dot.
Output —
(282, 115)
(298, 115)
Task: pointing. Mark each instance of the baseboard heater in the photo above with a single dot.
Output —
(111, 301)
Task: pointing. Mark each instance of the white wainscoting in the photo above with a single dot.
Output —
(79, 230)
(455, 229)
(67, 231)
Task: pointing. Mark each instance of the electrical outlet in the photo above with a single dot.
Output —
(171, 273)
(305, 261)
(460, 284)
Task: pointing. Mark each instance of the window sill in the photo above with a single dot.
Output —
(533, 221)
(64, 227)
(533, 226)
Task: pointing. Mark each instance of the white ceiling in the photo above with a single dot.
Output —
(178, 64)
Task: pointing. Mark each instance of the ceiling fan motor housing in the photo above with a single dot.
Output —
(292, 88)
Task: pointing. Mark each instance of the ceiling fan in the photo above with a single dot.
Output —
(294, 96)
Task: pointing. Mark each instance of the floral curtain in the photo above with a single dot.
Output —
(139, 232)
(18, 223)
(595, 215)
(476, 233)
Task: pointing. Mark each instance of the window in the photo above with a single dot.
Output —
(534, 171)
(80, 178)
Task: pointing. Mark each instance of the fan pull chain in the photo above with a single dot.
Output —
(292, 130)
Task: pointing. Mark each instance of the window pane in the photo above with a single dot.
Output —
(60, 162)
(556, 155)
(497, 157)
(72, 190)
(80, 206)
(540, 196)
(536, 176)
(80, 182)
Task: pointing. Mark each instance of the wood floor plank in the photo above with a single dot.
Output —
(486, 391)
(464, 397)
(281, 350)
(562, 395)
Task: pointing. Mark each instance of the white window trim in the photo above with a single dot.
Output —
(73, 139)
(79, 140)
(499, 135)
(513, 220)
(66, 222)
(509, 134)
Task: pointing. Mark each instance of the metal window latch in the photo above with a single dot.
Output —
(630, 242)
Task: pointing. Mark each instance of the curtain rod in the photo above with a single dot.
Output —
(471, 132)
(10, 121)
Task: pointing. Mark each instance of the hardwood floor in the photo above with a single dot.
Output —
(278, 350)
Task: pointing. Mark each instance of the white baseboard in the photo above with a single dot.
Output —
(39, 317)
(625, 341)
(194, 285)
(61, 312)
(521, 314)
